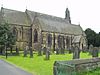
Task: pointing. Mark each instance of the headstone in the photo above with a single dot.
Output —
(31, 52)
(71, 50)
(44, 50)
(40, 52)
(84, 49)
(57, 50)
(48, 53)
(95, 52)
(17, 51)
(62, 51)
(90, 49)
(76, 52)
(26, 51)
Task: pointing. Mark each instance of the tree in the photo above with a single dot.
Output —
(97, 40)
(90, 35)
(6, 35)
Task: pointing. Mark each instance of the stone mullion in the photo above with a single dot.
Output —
(65, 42)
(56, 40)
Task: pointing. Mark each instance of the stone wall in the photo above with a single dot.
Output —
(75, 66)
(22, 35)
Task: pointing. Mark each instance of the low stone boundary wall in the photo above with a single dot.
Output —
(75, 66)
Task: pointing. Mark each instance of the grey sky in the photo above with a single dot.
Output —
(85, 12)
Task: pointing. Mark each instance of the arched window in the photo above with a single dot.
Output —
(35, 36)
(63, 42)
(59, 41)
(49, 40)
(67, 41)
(15, 32)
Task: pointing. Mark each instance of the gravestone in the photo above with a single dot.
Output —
(57, 50)
(47, 54)
(17, 51)
(90, 49)
(44, 50)
(95, 52)
(70, 50)
(26, 51)
(76, 52)
(84, 49)
(31, 52)
(39, 52)
(62, 51)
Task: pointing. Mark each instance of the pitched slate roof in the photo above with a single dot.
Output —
(54, 24)
(47, 22)
(14, 17)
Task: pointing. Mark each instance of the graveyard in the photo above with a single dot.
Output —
(48, 45)
(39, 66)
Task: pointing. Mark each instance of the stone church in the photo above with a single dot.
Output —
(38, 30)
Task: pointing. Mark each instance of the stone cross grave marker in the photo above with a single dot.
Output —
(76, 53)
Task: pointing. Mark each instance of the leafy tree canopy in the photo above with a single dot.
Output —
(92, 37)
(6, 35)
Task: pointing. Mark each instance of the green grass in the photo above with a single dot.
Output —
(37, 65)
(93, 72)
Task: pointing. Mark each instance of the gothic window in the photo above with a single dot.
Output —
(15, 32)
(35, 36)
(49, 39)
(59, 41)
(63, 42)
(67, 41)
(41, 38)
(28, 34)
(22, 31)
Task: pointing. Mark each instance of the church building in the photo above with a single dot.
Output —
(37, 30)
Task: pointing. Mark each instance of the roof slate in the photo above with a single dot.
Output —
(47, 22)
(54, 24)
(15, 17)
(60, 27)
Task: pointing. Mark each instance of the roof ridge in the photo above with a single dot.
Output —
(45, 14)
(10, 9)
(49, 16)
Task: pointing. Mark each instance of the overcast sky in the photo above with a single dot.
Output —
(83, 12)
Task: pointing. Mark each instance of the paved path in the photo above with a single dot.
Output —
(8, 69)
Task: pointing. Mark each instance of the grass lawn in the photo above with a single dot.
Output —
(37, 65)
